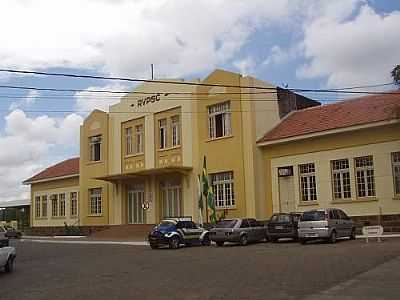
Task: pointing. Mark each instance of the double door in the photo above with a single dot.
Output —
(136, 199)
(171, 199)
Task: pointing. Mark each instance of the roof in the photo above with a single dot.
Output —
(353, 112)
(66, 168)
(15, 203)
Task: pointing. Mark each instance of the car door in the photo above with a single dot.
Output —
(253, 231)
(340, 226)
(346, 223)
(245, 228)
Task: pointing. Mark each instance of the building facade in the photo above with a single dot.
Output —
(140, 162)
(344, 155)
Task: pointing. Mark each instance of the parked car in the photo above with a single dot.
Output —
(11, 232)
(327, 224)
(7, 254)
(283, 225)
(176, 231)
(240, 231)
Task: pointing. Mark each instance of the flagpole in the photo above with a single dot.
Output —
(206, 211)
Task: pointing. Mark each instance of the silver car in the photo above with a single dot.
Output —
(240, 231)
(7, 254)
(328, 224)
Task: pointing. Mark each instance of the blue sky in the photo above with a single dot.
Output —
(299, 43)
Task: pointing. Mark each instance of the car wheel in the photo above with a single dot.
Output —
(9, 267)
(206, 240)
(174, 242)
(303, 241)
(353, 234)
(153, 246)
(243, 240)
(219, 244)
(332, 238)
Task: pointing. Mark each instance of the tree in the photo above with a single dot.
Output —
(396, 75)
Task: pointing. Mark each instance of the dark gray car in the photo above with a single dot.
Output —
(240, 231)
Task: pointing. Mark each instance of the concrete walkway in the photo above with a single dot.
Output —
(89, 242)
(381, 282)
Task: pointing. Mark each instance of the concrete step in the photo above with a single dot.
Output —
(123, 232)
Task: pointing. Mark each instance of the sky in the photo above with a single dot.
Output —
(296, 43)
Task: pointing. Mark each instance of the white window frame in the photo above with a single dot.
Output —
(93, 142)
(128, 141)
(44, 206)
(73, 199)
(176, 132)
(162, 125)
(54, 205)
(223, 188)
(139, 132)
(396, 173)
(223, 109)
(37, 207)
(95, 202)
(308, 183)
(341, 179)
(365, 176)
(61, 204)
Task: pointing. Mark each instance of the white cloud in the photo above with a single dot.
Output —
(245, 66)
(125, 37)
(30, 144)
(87, 101)
(362, 49)
(280, 56)
(29, 100)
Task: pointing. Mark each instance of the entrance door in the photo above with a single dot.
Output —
(286, 194)
(136, 213)
(171, 199)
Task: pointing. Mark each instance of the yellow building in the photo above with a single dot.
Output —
(140, 162)
(344, 155)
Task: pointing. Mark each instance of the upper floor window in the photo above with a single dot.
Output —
(95, 148)
(175, 125)
(341, 179)
(74, 203)
(396, 172)
(128, 141)
(162, 124)
(219, 120)
(222, 185)
(308, 183)
(139, 138)
(365, 176)
(95, 201)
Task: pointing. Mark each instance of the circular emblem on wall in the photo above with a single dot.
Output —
(145, 205)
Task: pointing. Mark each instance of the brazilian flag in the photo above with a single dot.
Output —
(208, 193)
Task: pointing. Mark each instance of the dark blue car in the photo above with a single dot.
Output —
(176, 231)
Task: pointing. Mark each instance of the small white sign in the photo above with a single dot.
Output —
(373, 231)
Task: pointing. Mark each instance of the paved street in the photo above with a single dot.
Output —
(261, 271)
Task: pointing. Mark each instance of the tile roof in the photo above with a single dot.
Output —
(357, 111)
(65, 168)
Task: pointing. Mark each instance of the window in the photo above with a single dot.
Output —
(61, 198)
(128, 141)
(37, 207)
(219, 120)
(396, 172)
(176, 139)
(162, 124)
(139, 138)
(222, 185)
(245, 224)
(95, 148)
(365, 176)
(307, 182)
(44, 206)
(341, 179)
(73, 198)
(95, 201)
(54, 205)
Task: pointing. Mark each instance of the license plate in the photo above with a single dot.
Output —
(311, 235)
(278, 227)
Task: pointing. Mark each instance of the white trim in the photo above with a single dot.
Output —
(327, 132)
(51, 179)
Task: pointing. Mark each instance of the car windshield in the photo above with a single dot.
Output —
(315, 215)
(226, 224)
(280, 218)
(166, 224)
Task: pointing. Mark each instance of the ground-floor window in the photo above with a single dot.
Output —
(61, 198)
(341, 179)
(74, 203)
(37, 207)
(222, 185)
(54, 205)
(171, 199)
(44, 206)
(364, 168)
(95, 201)
(308, 183)
(396, 172)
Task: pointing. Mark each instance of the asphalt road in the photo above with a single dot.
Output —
(260, 271)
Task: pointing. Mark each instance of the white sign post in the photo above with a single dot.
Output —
(372, 231)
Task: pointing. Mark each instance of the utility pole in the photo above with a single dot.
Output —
(152, 71)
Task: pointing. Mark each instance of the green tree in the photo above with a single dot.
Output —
(396, 75)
